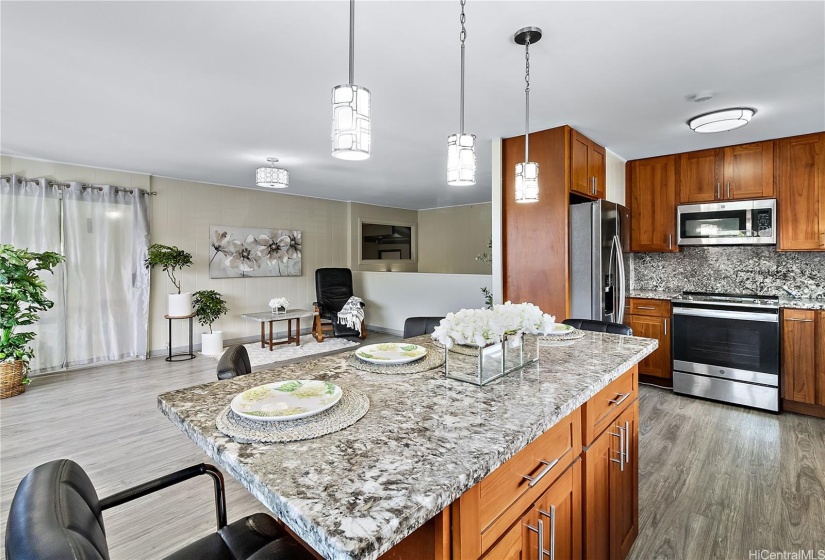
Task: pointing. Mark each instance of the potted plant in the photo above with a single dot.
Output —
(209, 307)
(171, 259)
(22, 296)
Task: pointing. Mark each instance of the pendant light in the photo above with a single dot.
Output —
(721, 121)
(461, 148)
(272, 177)
(527, 173)
(351, 110)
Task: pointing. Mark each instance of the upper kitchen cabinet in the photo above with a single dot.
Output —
(653, 204)
(732, 173)
(587, 167)
(801, 205)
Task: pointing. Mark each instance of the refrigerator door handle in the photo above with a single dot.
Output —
(622, 288)
(614, 279)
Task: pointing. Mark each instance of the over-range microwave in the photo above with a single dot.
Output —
(743, 222)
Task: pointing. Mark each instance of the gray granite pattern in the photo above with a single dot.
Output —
(424, 442)
(739, 270)
(802, 303)
(653, 294)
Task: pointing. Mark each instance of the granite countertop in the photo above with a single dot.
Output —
(653, 294)
(425, 440)
(784, 301)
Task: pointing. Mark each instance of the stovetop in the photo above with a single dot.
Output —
(749, 300)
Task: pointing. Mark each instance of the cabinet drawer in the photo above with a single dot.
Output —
(605, 406)
(652, 307)
(505, 493)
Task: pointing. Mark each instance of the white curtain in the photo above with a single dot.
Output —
(30, 219)
(104, 300)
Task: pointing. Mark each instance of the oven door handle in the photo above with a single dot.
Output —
(722, 314)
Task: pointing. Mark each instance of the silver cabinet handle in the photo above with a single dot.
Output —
(728, 189)
(621, 437)
(552, 517)
(670, 241)
(540, 531)
(665, 327)
(800, 320)
(718, 191)
(535, 479)
(646, 307)
(617, 401)
(627, 443)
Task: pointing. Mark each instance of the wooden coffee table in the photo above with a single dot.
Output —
(269, 317)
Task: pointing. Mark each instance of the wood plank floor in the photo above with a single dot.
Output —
(716, 481)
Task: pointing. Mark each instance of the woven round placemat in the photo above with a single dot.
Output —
(351, 408)
(433, 359)
(574, 335)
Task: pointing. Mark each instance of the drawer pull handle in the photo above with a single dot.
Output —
(800, 320)
(533, 480)
(644, 307)
(617, 401)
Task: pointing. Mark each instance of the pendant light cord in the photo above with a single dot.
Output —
(463, 37)
(527, 100)
(351, 42)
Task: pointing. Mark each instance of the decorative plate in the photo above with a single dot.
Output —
(560, 328)
(286, 400)
(391, 353)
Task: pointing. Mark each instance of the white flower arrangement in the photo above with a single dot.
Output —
(278, 302)
(480, 327)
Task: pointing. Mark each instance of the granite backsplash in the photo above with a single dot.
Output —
(758, 270)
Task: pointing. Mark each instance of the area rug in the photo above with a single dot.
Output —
(259, 356)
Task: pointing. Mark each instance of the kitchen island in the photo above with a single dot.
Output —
(423, 444)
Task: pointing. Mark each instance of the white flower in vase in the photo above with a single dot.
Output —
(482, 327)
(278, 303)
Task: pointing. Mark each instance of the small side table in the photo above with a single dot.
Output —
(181, 357)
(289, 316)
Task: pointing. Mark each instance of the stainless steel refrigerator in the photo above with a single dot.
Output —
(599, 240)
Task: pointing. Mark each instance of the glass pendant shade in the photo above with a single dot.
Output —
(272, 177)
(527, 182)
(721, 121)
(350, 122)
(461, 160)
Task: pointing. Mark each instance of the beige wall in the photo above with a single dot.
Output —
(615, 178)
(381, 215)
(450, 238)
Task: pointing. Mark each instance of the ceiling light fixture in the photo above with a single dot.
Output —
(721, 121)
(272, 177)
(527, 173)
(461, 148)
(351, 110)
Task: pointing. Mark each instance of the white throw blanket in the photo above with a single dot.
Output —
(352, 314)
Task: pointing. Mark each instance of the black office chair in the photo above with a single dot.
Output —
(333, 287)
(599, 326)
(234, 362)
(416, 326)
(56, 515)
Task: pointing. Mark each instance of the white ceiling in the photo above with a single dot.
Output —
(207, 90)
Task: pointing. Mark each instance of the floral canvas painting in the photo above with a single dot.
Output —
(238, 252)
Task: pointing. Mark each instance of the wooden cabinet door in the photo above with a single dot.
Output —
(596, 485)
(579, 168)
(624, 486)
(700, 176)
(799, 355)
(597, 164)
(512, 544)
(560, 513)
(653, 205)
(801, 204)
(658, 363)
(820, 357)
(749, 171)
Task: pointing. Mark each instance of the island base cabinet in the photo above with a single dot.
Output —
(611, 500)
(555, 518)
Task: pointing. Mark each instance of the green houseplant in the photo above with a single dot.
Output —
(22, 297)
(209, 307)
(172, 259)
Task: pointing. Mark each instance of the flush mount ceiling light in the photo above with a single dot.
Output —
(272, 177)
(527, 173)
(461, 154)
(351, 110)
(721, 121)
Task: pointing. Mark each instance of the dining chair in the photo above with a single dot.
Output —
(56, 514)
(416, 326)
(333, 287)
(599, 326)
(234, 362)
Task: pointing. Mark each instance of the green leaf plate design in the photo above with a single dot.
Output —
(391, 353)
(286, 400)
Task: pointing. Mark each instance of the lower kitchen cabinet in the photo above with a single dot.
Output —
(611, 499)
(803, 361)
(652, 319)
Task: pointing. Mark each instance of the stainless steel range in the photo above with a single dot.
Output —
(726, 348)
